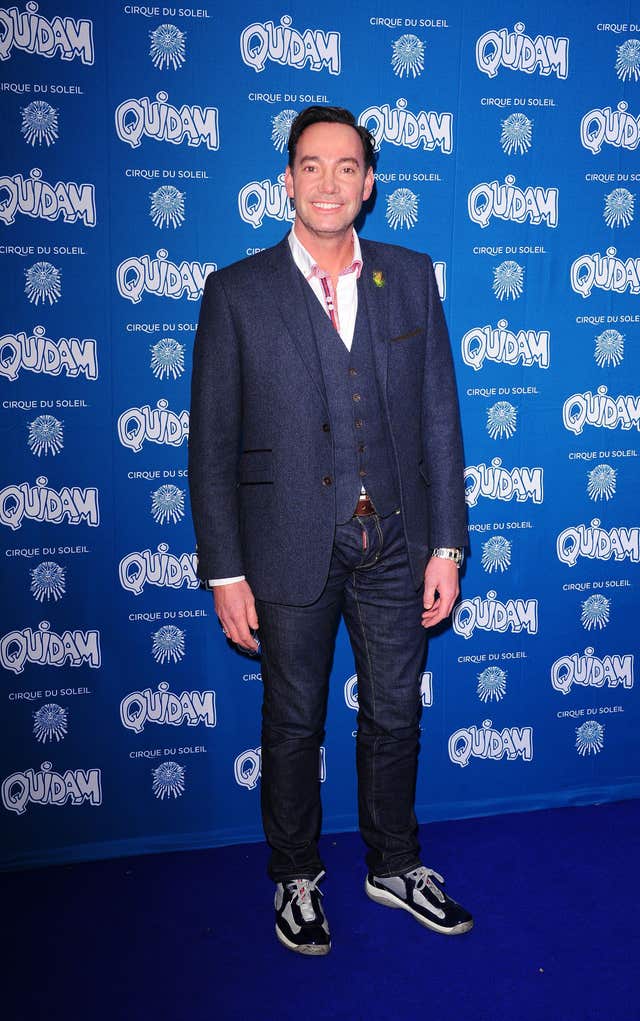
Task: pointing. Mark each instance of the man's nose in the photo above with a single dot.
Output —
(329, 182)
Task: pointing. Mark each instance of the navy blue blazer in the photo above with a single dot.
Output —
(260, 447)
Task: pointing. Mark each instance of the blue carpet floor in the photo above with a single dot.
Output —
(189, 936)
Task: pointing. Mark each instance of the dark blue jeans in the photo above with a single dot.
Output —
(369, 584)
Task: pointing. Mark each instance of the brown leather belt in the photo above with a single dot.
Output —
(364, 508)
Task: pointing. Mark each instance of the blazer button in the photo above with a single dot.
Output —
(327, 480)
(326, 428)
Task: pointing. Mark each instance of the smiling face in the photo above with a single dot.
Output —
(328, 182)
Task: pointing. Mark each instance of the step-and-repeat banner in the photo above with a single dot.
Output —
(144, 147)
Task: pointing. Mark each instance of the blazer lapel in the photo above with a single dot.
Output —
(375, 299)
(285, 288)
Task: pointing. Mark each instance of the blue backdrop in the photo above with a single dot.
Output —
(143, 147)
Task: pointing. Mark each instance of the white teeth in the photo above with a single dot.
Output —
(327, 205)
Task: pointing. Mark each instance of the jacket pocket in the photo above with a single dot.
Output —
(408, 335)
(256, 468)
(423, 471)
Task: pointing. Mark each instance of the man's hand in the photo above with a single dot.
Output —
(441, 589)
(236, 610)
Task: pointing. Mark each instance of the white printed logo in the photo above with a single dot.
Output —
(43, 283)
(402, 209)
(36, 198)
(168, 644)
(247, 767)
(262, 41)
(49, 722)
(163, 569)
(595, 612)
(167, 206)
(508, 280)
(41, 503)
(545, 54)
(498, 344)
(48, 581)
(609, 348)
(39, 123)
(157, 425)
(589, 738)
(426, 129)
(597, 543)
(281, 128)
(491, 614)
(167, 358)
(505, 201)
(606, 272)
(592, 671)
(168, 780)
(492, 684)
(33, 33)
(516, 134)
(628, 60)
(615, 127)
(167, 504)
(498, 483)
(501, 420)
(258, 199)
(618, 208)
(601, 411)
(486, 743)
(45, 435)
(45, 787)
(163, 707)
(37, 353)
(167, 47)
(141, 274)
(496, 554)
(143, 118)
(408, 56)
(601, 484)
(46, 648)
(426, 690)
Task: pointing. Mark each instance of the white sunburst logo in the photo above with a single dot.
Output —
(508, 280)
(492, 684)
(168, 780)
(167, 206)
(601, 482)
(589, 738)
(50, 723)
(45, 435)
(167, 47)
(48, 581)
(168, 644)
(609, 348)
(501, 420)
(39, 123)
(595, 612)
(167, 358)
(43, 283)
(402, 209)
(167, 504)
(496, 554)
(618, 208)
(516, 134)
(280, 128)
(628, 60)
(408, 56)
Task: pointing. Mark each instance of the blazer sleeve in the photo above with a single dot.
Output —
(442, 437)
(215, 434)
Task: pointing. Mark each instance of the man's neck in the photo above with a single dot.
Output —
(332, 254)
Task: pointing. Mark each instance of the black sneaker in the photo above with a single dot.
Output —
(300, 921)
(417, 893)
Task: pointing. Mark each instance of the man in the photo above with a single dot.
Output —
(325, 467)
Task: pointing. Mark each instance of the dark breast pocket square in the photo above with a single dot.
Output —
(407, 336)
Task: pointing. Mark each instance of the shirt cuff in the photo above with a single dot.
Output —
(214, 582)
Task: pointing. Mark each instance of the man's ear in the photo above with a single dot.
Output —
(369, 181)
(288, 181)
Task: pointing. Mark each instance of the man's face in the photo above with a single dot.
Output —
(328, 182)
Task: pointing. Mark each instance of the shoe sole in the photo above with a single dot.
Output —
(391, 901)
(308, 949)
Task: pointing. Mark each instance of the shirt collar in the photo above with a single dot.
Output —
(309, 267)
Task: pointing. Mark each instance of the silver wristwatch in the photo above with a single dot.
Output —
(455, 553)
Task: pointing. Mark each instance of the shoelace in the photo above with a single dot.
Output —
(422, 877)
(302, 890)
